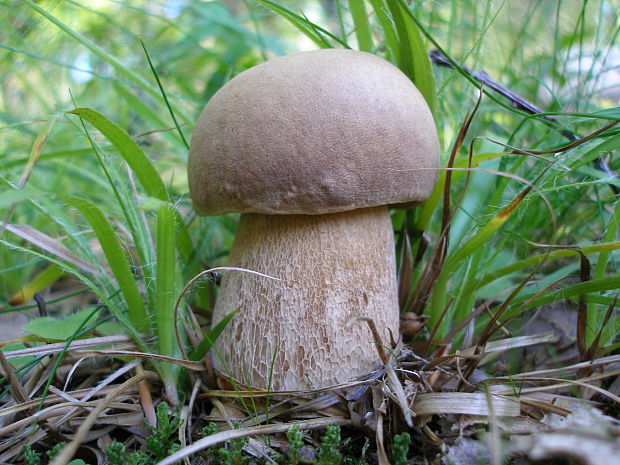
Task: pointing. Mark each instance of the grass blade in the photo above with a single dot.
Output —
(163, 94)
(45, 278)
(129, 150)
(199, 352)
(147, 176)
(575, 290)
(387, 25)
(363, 32)
(117, 260)
(315, 33)
(599, 272)
(439, 294)
(165, 294)
(485, 233)
(412, 56)
(8, 164)
(588, 249)
(50, 245)
(599, 150)
(150, 116)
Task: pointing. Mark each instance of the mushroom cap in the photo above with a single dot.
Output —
(311, 133)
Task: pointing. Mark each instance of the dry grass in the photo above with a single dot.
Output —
(101, 392)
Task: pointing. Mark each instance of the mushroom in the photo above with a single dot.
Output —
(311, 149)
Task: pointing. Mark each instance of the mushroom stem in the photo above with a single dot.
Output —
(332, 268)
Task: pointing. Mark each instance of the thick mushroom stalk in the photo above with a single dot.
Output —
(333, 268)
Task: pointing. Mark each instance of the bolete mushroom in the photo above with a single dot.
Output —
(311, 149)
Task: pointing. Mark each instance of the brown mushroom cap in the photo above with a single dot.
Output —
(311, 133)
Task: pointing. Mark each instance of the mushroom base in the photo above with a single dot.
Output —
(331, 269)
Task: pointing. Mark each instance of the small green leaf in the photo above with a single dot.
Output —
(17, 361)
(109, 328)
(57, 329)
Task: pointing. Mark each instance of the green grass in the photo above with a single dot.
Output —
(96, 159)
